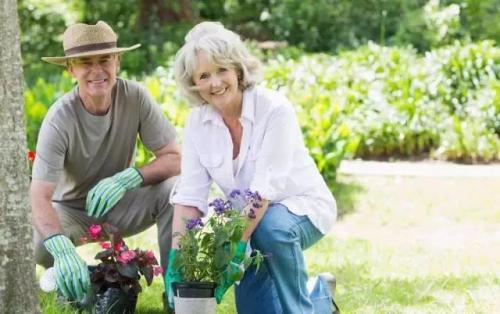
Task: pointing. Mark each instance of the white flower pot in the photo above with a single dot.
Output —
(194, 298)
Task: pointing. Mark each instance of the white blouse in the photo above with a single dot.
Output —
(273, 159)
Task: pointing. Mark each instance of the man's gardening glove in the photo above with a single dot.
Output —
(233, 272)
(172, 275)
(109, 191)
(72, 274)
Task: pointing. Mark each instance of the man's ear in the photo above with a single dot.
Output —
(118, 62)
(69, 68)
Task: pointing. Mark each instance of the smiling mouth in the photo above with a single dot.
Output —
(219, 92)
(97, 82)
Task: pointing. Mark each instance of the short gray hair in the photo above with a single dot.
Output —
(223, 48)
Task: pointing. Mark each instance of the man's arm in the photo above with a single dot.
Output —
(44, 215)
(167, 164)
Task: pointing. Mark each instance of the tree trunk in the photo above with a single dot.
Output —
(18, 291)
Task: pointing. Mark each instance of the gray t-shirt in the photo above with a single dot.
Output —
(76, 149)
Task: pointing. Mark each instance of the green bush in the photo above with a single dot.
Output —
(373, 102)
(37, 100)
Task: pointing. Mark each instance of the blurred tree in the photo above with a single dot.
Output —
(41, 27)
(18, 291)
(157, 24)
(319, 25)
(480, 19)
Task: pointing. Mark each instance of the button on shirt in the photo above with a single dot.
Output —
(273, 159)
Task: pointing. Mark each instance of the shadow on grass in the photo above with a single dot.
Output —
(346, 194)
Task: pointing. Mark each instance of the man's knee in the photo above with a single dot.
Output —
(164, 190)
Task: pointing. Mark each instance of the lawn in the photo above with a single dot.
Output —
(401, 245)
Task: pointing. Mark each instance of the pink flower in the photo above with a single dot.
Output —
(150, 256)
(120, 246)
(105, 245)
(126, 256)
(95, 231)
(157, 270)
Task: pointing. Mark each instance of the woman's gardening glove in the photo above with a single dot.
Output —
(109, 191)
(172, 275)
(233, 272)
(72, 274)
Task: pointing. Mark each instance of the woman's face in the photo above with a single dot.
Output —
(217, 85)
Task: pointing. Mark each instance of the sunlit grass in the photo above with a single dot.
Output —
(405, 245)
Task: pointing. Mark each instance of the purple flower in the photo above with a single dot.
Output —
(220, 206)
(193, 223)
(235, 193)
(252, 196)
(251, 214)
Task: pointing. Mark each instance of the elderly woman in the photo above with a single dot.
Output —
(242, 136)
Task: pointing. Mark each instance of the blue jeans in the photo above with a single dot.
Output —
(279, 286)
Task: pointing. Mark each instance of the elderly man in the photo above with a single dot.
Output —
(83, 171)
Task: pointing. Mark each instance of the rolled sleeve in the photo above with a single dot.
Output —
(273, 165)
(195, 180)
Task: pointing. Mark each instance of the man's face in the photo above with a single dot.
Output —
(96, 75)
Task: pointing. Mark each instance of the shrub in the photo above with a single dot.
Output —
(372, 102)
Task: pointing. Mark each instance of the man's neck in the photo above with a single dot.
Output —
(98, 106)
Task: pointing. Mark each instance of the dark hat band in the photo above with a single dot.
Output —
(90, 47)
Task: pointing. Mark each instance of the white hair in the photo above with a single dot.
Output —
(223, 48)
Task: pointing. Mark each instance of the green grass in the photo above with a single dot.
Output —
(401, 245)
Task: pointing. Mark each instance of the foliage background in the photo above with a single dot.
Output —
(372, 79)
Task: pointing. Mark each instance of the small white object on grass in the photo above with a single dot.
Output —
(48, 280)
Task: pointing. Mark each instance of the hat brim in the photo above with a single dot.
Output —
(63, 60)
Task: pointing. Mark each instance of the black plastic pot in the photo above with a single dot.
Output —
(194, 289)
(115, 300)
(111, 299)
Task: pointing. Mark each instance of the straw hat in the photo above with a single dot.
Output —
(82, 40)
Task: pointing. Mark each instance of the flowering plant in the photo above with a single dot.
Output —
(120, 267)
(31, 159)
(206, 248)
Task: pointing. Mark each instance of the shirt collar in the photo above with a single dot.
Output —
(209, 114)
(248, 106)
(247, 111)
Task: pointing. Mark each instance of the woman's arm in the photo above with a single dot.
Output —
(181, 214)
(253, 222)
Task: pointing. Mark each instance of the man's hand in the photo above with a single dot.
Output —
(233, 272)
(109, 191)
(172, 275)
(72, 274)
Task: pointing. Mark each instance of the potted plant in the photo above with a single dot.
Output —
(207, 247)
(115, 280)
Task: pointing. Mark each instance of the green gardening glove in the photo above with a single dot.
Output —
(72, 274)
(233, 272)
(109, 191)
(172, 275)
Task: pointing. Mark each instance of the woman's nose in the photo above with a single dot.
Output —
(215, 80)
